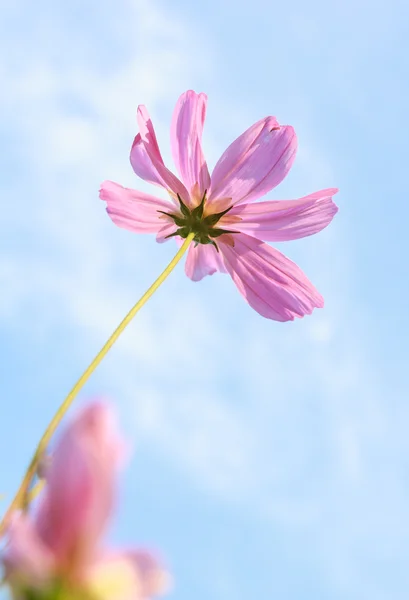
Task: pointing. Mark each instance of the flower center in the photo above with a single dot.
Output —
(193, 221)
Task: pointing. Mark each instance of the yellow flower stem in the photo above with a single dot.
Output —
(22, 497)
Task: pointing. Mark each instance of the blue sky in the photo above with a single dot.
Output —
(270, 460)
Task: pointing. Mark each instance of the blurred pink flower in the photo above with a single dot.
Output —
(230, 230)
(59, 548)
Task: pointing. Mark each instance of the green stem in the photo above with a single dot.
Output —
(22, 496)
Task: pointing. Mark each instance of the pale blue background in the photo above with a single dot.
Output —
(270, 460)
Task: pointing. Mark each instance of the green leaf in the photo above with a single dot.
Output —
(183, 207)
(197, 213)
(213, 219)
(215, 233)
(182, 231)
(180, 221)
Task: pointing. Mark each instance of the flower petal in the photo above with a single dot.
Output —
(134, 210)
(271, 283)
(134, 575)
(283, 220)
(27, 561)
(186, 136)
(153, 578)
(147, 161)
(142, 163)
(165, 231)
(254, 163)
(80, 488)
(203, 260)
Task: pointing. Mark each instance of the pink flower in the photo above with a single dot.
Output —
(59, 548)
(230, 227)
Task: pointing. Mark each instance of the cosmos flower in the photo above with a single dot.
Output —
(57, 552)
(230, 228)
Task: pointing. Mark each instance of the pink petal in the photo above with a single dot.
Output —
(133, 575)
(273, 285)
(186, 135)
(237, 150)
(282, 220)
(142, 163)
(134, 210)
(254, 163)
(203, 260)
(166, 230)
(80, 487)
(153, 579)
(147, 161)
(26, 559)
